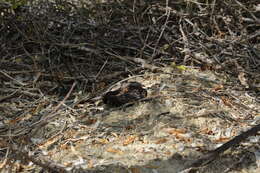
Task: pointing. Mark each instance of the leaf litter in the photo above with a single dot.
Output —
(198, 62)
(188, 117)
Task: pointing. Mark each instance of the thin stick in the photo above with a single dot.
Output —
(215, 153)
(54, 113)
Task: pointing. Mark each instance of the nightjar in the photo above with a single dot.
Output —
(128, 92)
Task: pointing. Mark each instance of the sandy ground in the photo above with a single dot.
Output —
(190, 112)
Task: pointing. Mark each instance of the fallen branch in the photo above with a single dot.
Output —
(212, 155)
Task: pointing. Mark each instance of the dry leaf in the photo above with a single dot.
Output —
(129, 140)
(173, 131)
(217, 88)
(39, 107)
(68, 164)
(112, 150)
(205, 67)
(226, 101)
(206, 131)
(161, 141)
(90, 121)
(101, 141)
(129, 127)
(91, 164)
(183, 138)
(222, 139)
(17, 120)
(64, 146)
(220, 34)
(3, 163)
(196, 89)
(49, 142)
(168, 153)
(70, 133)
(179, 134)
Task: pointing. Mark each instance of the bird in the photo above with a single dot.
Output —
(128, 92)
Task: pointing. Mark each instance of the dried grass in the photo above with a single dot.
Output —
(199, 61)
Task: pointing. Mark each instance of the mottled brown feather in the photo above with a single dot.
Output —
(128, 92)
